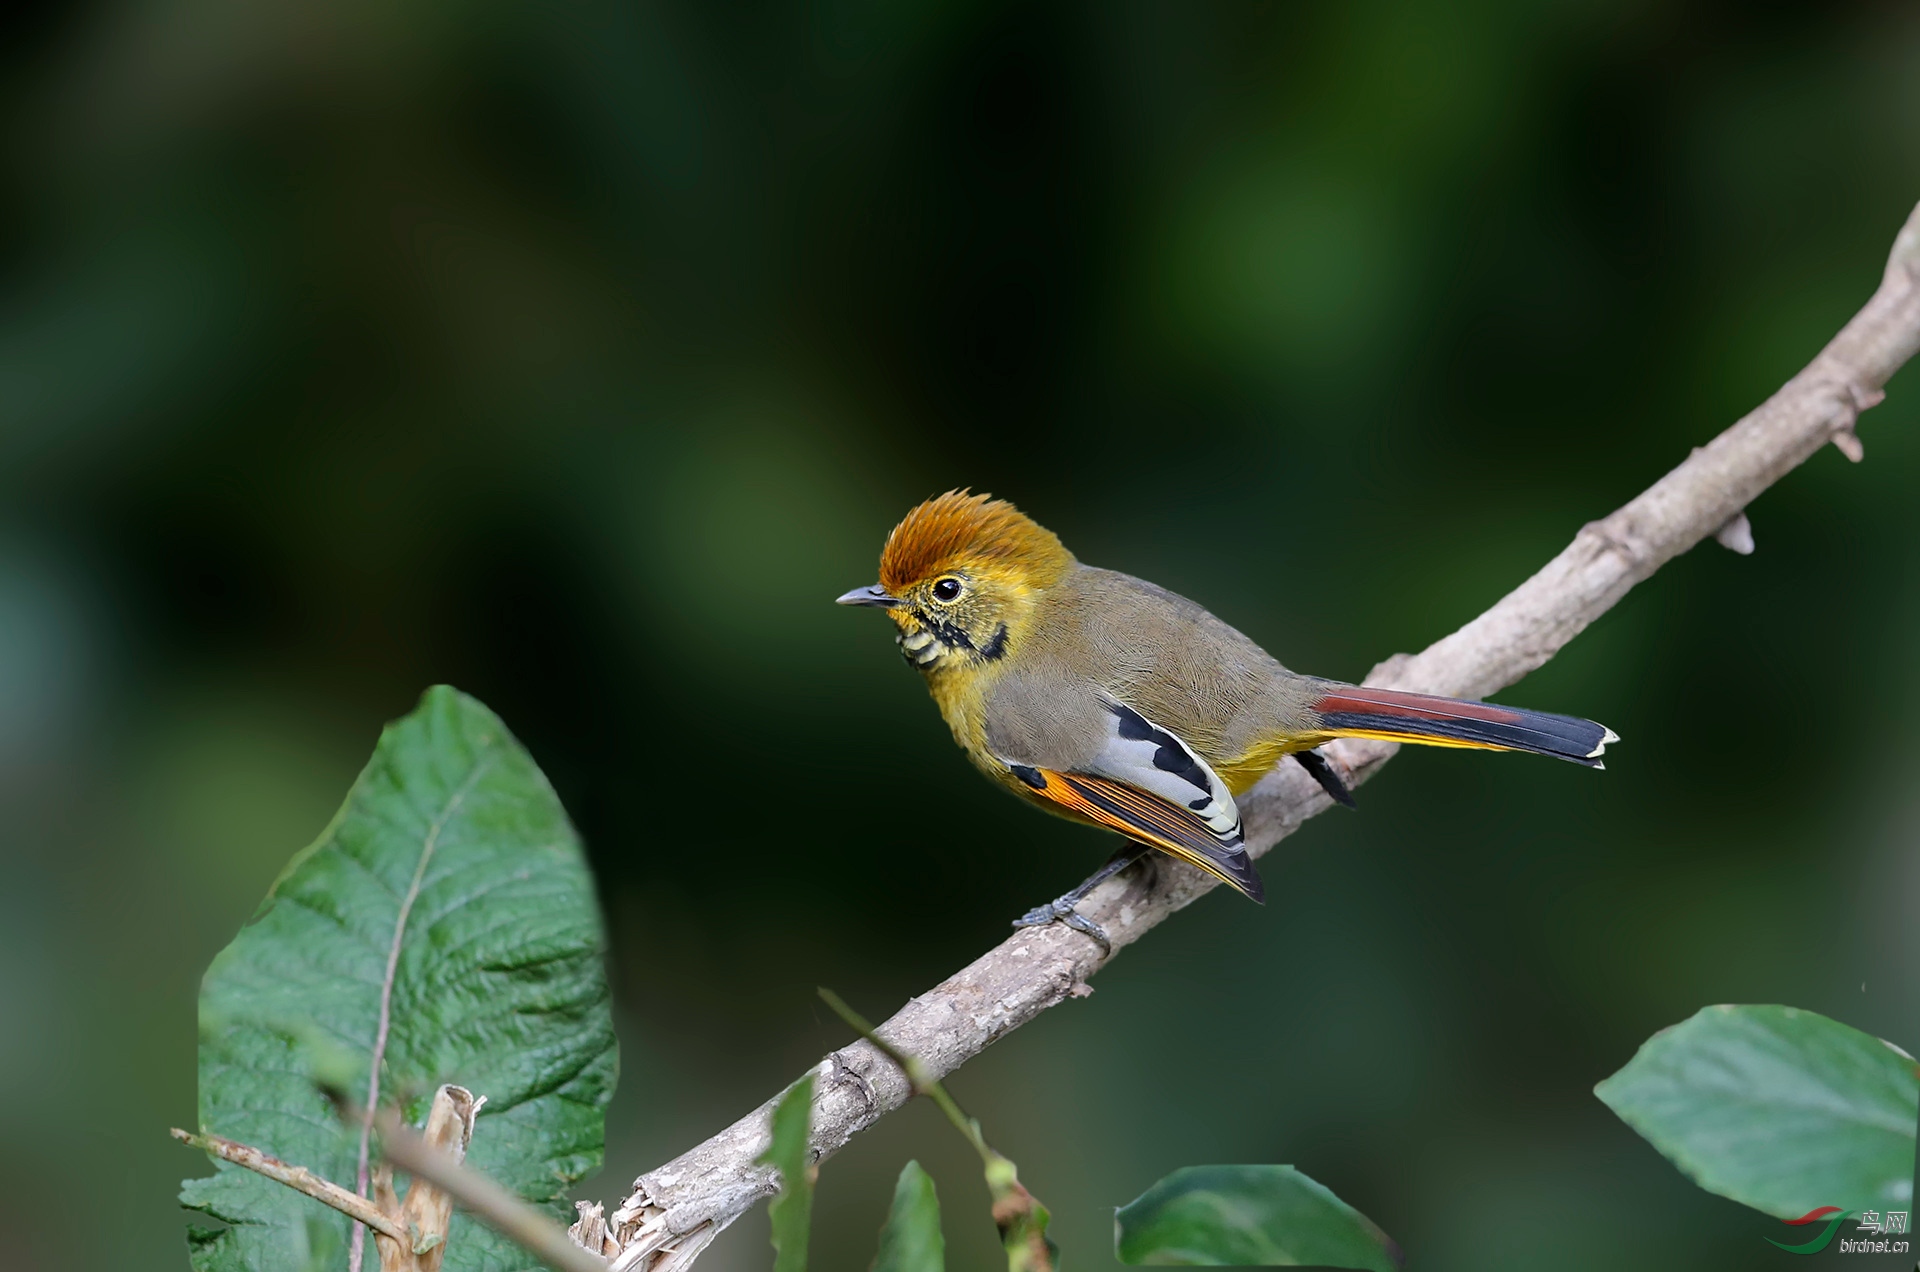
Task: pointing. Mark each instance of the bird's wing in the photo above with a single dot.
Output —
(1150, 786)
(1142, 754)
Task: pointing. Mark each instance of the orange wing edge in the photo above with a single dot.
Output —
(1148, 819)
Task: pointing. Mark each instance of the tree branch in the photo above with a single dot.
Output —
(677, 1208)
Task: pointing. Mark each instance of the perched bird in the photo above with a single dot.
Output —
(1106, 699)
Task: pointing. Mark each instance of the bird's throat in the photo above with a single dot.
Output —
(934, 644)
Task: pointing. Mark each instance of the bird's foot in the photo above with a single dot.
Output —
(1060, 910)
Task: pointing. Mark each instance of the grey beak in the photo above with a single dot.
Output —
(872, 594)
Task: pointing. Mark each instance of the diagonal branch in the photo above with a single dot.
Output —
(298, 1178)
(676, 1209)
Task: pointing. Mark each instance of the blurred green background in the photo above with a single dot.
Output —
(579, 354)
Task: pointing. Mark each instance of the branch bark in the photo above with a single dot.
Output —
(676, 1209)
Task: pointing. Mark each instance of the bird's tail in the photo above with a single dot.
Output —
(1349, 711)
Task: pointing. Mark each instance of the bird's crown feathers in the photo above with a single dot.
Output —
(960, 529)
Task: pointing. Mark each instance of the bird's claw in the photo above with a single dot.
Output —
(1060, 910)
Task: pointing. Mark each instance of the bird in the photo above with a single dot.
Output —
(1111, 701)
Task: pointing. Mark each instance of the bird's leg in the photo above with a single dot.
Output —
(1316, 764)
(1061, 908)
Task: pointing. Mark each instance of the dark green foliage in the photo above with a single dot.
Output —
(911, 1240)
(1780, 1109)
(1248, 1216)
(792, 1211)
(453, 839)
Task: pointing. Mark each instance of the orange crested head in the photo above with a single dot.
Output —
(961, 578)
(960, 531)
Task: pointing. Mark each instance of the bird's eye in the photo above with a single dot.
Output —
(946, 590)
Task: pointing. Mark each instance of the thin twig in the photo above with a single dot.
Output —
(513, 1218)
(1018, 1214)
(714, 1183)
(923, 1083)
(298, 1178)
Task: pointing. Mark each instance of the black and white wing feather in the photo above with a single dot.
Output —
(1144, 755)
(1150, 786)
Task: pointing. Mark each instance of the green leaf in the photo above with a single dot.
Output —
(792, 1211)
(911, 1240)
(1780, 1109)
(445, 922)
(1248, 1217)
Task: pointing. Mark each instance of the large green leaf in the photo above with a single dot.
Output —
(911, 1241)
(445, 924)
(1780, 1109)
(791, 1213)
(1248, 1217)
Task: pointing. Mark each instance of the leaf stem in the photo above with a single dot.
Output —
(357, 1248)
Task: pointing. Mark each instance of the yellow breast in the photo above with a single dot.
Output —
(961, 694)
